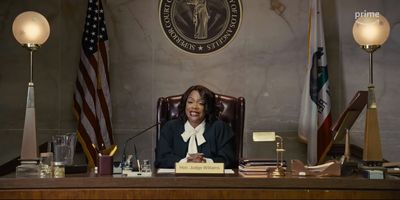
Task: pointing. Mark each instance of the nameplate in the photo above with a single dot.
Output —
(199, 168)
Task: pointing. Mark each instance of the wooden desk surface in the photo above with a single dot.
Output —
(165, 186)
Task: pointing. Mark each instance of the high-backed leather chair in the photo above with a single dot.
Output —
(229, 109)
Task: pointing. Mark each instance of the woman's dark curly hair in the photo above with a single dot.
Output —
(209, 103)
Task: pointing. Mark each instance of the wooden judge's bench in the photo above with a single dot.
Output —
(170, 186)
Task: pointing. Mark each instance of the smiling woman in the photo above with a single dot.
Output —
(196, 136)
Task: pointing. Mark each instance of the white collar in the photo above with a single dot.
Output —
(194, 134)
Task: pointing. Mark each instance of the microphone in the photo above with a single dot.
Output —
(131, 138)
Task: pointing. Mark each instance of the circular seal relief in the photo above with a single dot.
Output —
(200, 26)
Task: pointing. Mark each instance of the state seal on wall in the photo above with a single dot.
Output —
(200, 26)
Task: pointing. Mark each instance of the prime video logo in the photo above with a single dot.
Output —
(366, 14)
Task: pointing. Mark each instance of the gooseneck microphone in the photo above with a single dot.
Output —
(131, 138)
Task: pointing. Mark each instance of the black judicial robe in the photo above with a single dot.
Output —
(172, 148)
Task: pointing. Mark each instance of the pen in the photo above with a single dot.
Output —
(136, 157)
(114, 149)
(97, 151)
(138, 164)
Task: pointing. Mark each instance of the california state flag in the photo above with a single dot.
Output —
(315, 112)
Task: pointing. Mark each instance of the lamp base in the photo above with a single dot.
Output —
(278, 172)
(28, 169)
(372, 153)
(29, 141)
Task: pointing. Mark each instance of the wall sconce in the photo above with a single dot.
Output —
(31, 30)
(270, 137)
(370, 33)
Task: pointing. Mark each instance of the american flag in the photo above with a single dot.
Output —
(92, 101)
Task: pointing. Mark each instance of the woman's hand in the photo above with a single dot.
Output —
(196, 158)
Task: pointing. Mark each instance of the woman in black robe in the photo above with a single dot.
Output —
(196, 132)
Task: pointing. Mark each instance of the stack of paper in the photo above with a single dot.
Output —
(258, 166)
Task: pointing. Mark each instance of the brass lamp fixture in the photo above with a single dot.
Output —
(270, 137)
(31, 30)
(370, 32)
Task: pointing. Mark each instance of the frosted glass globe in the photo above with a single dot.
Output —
(31, 28)
(370, 30)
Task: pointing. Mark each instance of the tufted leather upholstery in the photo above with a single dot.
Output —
(231, 110)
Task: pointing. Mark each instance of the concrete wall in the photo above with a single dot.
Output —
(265, 63)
